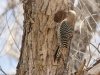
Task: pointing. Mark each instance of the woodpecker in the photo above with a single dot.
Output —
(65, 34)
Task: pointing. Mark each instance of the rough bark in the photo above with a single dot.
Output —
(39, 40)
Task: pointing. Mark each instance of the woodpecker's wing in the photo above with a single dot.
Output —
(66, 33)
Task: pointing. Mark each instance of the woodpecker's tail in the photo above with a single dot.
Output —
(57, 54)
(60, 51)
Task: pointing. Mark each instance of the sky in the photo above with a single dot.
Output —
(11, 27)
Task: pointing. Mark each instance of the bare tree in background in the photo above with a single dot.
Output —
(85, 45)
(10, 34)
(11, 28)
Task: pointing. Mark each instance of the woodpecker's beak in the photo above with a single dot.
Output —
(67, 13)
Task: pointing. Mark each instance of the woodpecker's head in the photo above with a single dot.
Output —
(71, 17)
(71, 14)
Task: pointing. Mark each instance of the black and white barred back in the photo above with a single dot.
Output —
(66, 34)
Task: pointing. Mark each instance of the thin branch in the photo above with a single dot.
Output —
(89, 12)
(81, 68)
(2, 70)
(89, 58)
(12, 35)
(95, 47)
(93, 4)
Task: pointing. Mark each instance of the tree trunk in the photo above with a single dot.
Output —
(40, 38)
